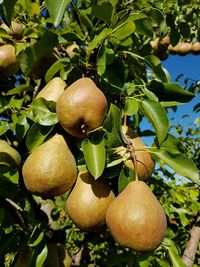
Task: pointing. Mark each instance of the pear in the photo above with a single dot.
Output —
(136, 219)
(88, 202)
(145, 164)
(81, 108)
(15, 30)
(50, 170)
(9, 155)
(52, 90)
(9, 63)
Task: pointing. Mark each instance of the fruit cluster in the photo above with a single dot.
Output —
(51, 170)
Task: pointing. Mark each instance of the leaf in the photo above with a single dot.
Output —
(36, 237)
(175, 258)
(105, 57)
(98, 38)
(155, 64)
(37, 135)
(35, 52)
(179, 163)
(171, 144)
(103, 11)
(57, 9)
(6, 10)
(169, 91)
(196, 108)
(20, 89)
(4, 127)
(157, 116)
(42, 111)
(126, 176)
(124, 30)
(112, 124)
(22, 127)
(56, 67)
(94, 153)
(41, 257)
(131, 106)
(144, 27)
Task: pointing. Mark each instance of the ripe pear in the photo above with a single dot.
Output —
(9, 155)
(15, 30)
(136, 219)
(81, 108)
(145, 164)
(9, 63)
(196, 48)
(88, 202)
(184, 48)
(52, 90)
(50, 170)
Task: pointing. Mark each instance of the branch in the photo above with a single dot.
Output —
(192, 244)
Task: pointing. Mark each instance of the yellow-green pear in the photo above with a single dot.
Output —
(136, 219)
(9, 63)
(15, 30)
(145, 164)
(50, 170)
(52, 90)
(9, 155)
(81, 108)
(88, 202)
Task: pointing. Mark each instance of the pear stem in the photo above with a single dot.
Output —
(134, 159)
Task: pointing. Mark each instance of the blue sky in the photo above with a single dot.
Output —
(189, 66)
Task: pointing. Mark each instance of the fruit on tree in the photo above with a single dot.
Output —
(9, 155)
(15, 30)
(72, 50)
(52, 90)
(184, 48)
(9, 63)
(88, 202)
(136, 219)
(50, 170)
(145, 164)
(195, 48)
(81, 108)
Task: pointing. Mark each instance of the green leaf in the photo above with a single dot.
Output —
(4, 127)
(144, 27)
(155, 64)
(35, 52)
(98, 38)
(36, 237)
(22, 127)
(124, 30)
(6, 10)
(175, 258)
(169, 91)
(20, 89)
(57, 9)
(105, 57)
(7, 187)
(56, 67)
(157, 116)
(131, 106)
(112, 124)
(42, 111)
(171, 144)
(126, 176)
(179, 163)
(41, 257)
(103, 11)
(37, 135)
(94, 153)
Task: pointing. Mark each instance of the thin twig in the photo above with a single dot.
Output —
(192, 244)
